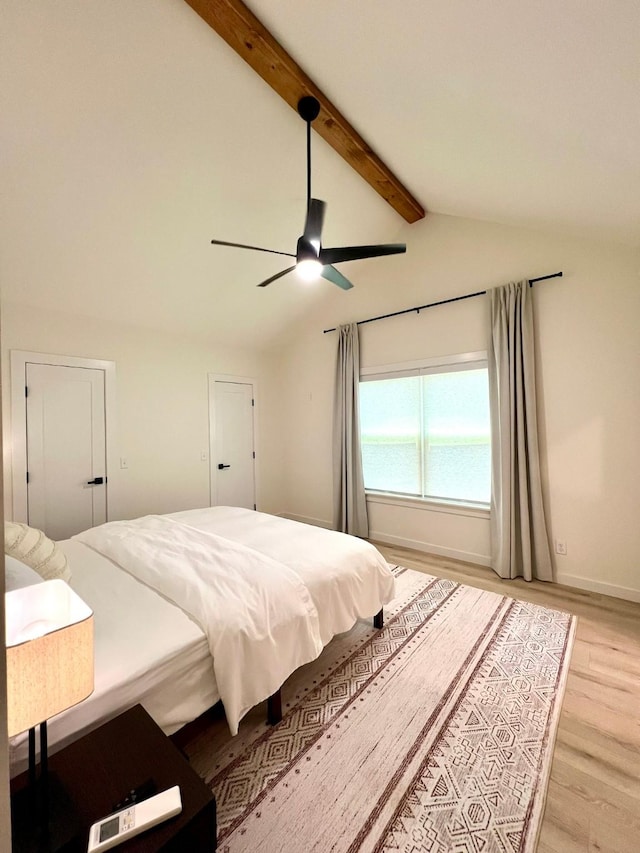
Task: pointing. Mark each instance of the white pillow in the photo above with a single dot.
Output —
(40, 553)
(17, 574)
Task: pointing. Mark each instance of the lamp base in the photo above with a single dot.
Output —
(43, 819)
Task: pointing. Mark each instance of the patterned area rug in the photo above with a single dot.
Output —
(435, 734)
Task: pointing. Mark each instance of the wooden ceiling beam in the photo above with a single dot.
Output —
(242, 31)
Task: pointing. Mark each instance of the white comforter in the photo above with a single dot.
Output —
(258, 615)
(348, 578)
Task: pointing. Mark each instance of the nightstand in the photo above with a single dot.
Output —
(101, 768)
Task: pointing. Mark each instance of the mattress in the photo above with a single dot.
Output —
(146, 650)
(347, 577)
(257, 614)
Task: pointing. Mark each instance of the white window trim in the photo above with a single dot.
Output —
(471, 510)
(424, 365)
(438, 364)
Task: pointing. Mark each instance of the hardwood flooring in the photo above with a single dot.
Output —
(593, 801)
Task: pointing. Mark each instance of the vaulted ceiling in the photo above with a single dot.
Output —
(132, 134)
(524, 113)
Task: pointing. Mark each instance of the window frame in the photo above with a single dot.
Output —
(440, 364)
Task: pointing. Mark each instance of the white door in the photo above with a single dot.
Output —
(66, 453)
(232, 447)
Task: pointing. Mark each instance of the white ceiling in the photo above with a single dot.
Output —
(516, 112)
(132, 134)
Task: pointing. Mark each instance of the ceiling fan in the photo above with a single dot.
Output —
(312, 260)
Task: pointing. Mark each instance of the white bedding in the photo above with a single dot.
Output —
(348, 578)
(259, 618)
(148, 650)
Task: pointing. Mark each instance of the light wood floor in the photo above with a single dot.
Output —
(593, 802)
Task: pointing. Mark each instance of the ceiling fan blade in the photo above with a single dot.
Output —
(274, 277)
(254, 248)
(315, 220)
(332, 274)
(356, 253)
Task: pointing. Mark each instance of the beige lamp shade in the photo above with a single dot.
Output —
(49, 636)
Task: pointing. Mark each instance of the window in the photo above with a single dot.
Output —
(425, 432)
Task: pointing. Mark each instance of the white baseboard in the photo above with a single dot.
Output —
(306, 519)
(628, 593)
(416, 545)
(429, 548)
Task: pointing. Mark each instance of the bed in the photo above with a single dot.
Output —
(158, 643)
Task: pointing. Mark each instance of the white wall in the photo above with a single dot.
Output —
(162, 407)
(5, 811)
(587, 331)
(588, 354)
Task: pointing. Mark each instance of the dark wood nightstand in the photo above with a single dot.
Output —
(100, 769)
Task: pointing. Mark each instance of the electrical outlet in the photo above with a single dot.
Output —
(561, 547)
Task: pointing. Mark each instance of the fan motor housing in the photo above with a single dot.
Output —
(306, 251)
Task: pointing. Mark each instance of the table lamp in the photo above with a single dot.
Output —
(49, 639)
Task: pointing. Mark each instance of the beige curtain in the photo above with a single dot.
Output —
(349, 506)
(519, 540)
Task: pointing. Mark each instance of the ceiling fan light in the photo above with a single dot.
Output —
(309, 270)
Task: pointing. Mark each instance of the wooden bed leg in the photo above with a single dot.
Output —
(378, 620)
(274, 708)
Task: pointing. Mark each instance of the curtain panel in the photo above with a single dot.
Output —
(519, 539)
(349, 505)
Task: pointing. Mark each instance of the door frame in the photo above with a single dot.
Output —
(212, 378)
(19, 361)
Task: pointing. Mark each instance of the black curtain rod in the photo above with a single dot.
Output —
(419, 308)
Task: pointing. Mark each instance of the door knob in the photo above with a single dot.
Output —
(221, 466)
(97, 481)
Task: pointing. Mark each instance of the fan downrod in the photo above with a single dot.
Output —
(308, 108)
(309, 247)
